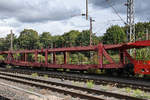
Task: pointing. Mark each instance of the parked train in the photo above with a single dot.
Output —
(126, 61)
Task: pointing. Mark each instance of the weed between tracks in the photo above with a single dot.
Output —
(137, 93)
(45, 76)
(77, 83)
(128, 91)
(106, 88)
(140, 94)
(90, 84)
(8, 66)
(34, 75)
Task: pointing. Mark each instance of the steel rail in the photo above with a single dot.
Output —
(52, 88)
(68, 86)
(4, 98)
(80, 78)
(21, 89)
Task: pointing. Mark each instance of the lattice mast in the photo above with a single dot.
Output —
(130, 21)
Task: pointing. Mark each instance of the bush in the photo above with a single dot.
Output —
(143, 54)
(59, 59)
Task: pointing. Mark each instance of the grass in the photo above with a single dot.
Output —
(30, 89)
(115, 57)
(139, 75)
(76, 83)
(61, 69)
(34, 75)
(45, 76)
(128, 90)
(8, 66)
(105, 88)
(90, 84)
(67, 70)
(140, 94)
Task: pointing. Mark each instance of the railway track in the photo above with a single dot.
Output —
(40, 96)
(75, 91)
(101, 80)
(4, 98)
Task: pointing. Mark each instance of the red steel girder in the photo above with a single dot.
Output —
(137, 44)
(101, 49)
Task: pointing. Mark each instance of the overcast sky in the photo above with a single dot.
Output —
(59, 16)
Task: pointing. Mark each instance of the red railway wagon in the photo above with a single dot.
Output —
(140, 67)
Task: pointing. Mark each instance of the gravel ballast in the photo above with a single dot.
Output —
(15, 94)
(108, 88)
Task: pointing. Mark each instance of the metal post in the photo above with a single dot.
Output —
(86, 9)
(91, 30)
(91, 33)
(147, 34)
(122, 56)
(100, 55)
(11, 45)
(26, 57)
(65, 57)
(51, 53)
(36, 56)
(54, 57)
(46, 56)
(147, 38)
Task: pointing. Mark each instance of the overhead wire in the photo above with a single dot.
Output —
(116, 12)
(100, 29)
(109, 22)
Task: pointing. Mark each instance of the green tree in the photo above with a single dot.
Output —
(46, 39)
(83, 38)
(69, 38)
(28, 39)
(81, 58)
(95, 39)
(57, 41)
(140, 30)
(74, 59)
(5, 42)
(2, 47)
(114, 35)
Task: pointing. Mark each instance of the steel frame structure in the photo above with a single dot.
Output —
(130, 20)
(141, 67)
